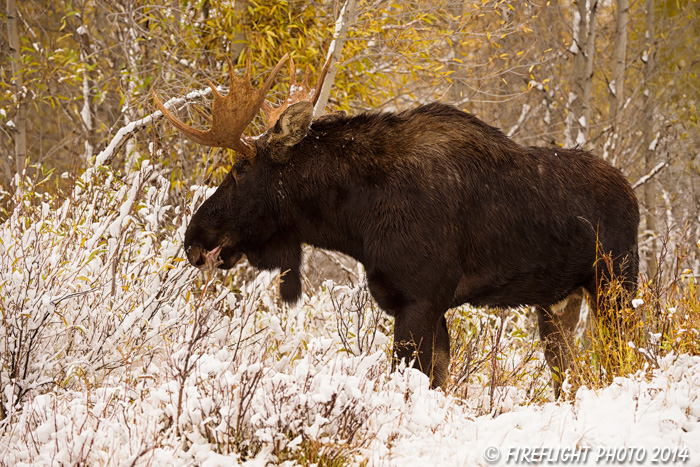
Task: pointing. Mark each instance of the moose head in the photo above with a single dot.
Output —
(235, 219)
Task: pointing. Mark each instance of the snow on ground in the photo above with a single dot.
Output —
(399, 420)
(640, 421)
(116, 352)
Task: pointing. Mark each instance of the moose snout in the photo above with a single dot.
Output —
(197, 256)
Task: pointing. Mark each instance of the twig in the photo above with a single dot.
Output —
(56, 301)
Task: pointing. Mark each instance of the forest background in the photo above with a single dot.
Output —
(619, 78)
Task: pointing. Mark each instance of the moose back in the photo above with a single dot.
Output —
(440, 208)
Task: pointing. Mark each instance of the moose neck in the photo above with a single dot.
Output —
(320, 190)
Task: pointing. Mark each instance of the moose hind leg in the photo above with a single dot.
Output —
(557, 324)
(416, 336)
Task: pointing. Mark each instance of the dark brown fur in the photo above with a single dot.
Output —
(441, 209)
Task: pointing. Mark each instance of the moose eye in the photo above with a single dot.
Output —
(237, 175)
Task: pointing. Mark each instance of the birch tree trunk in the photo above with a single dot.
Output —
(583, 50)
(347, 13)
(588, 70)
(648, 146)
(86, 112)
(20, 120)
(617, 85)
(132, 56)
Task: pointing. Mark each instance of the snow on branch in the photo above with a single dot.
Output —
(651, 173)
(126, 132)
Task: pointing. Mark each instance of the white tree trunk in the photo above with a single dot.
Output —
(588, 71)
(617, 86)
(20, 121)
(132, 54)
(648, 146)
(583, 50)
(86, 114)
(347, 13)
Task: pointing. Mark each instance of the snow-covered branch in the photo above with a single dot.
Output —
(126, 132)
(648, 176)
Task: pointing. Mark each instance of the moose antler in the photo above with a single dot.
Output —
(230, 114)
(296, 93)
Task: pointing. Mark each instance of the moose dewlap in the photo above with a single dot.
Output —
(440, 208)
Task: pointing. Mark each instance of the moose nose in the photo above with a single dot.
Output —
(196, 256)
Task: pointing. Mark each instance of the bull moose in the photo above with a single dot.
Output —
(440, 208)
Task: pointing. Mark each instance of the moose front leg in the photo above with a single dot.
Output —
(421, 338)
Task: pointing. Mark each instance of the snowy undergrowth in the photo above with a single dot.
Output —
(116, 352)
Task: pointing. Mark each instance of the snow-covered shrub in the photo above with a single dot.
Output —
(111, 342)
(496, 361)
(88, 284)
(116, 352)
(358, 318)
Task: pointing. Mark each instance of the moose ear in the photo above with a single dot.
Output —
(290, 129)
